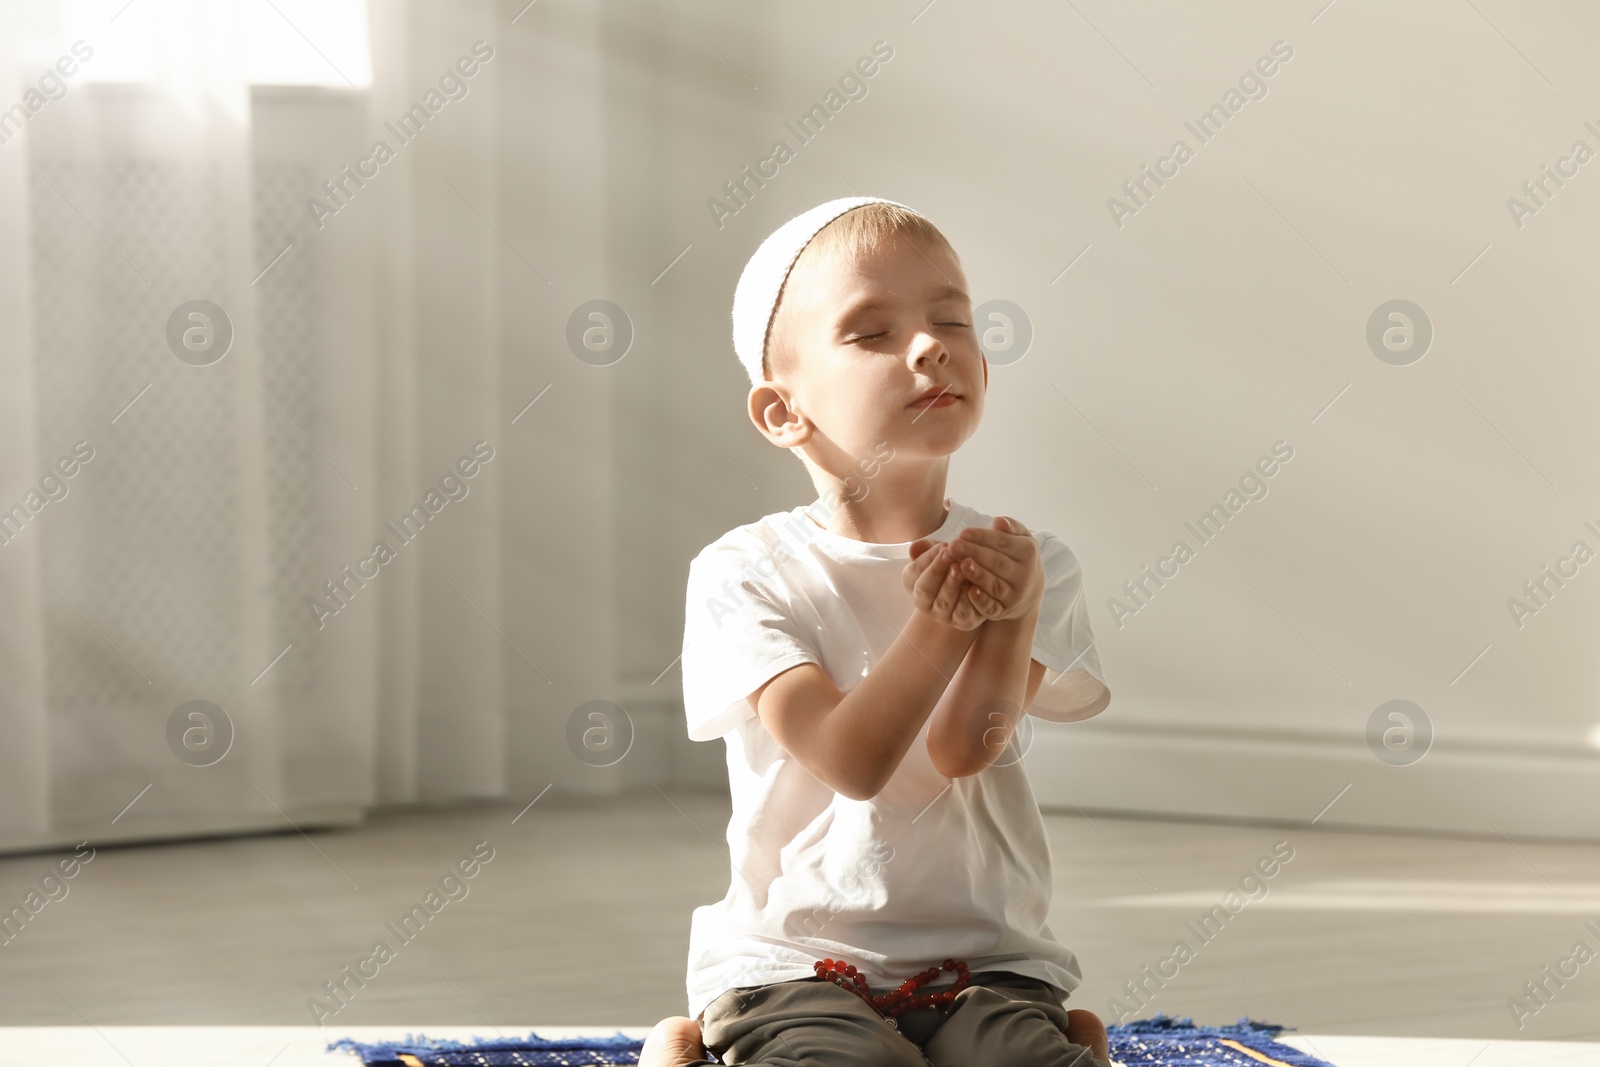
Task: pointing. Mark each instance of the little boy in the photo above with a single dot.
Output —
(867, 659)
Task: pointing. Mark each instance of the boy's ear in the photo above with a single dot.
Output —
(770, 411)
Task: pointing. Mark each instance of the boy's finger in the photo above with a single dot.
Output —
(914, 570)
(1007, 543)
(989, 559)
(928, 554)
(1006, 524)
(983, 602)
(949, 594)
(987, 581)
(933, 576)
(936, 560)
(968, 610)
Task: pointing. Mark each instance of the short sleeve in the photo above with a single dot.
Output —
(1073, 682)
(738, 632)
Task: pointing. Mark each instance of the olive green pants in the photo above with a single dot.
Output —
(1000, 1020)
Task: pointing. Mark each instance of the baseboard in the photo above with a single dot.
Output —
(179, 829)
(1483, 787)
(1167, 772)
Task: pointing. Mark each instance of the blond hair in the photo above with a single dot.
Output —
(854, 233)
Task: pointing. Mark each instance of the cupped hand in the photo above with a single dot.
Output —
(936, 589)
(1002, 568)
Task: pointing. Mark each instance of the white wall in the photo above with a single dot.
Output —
(1170, 353)
(1227, 314)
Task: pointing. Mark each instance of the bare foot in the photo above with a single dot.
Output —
(1085, 1028)
(675, 1041)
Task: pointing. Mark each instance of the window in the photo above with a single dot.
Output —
(285, 42)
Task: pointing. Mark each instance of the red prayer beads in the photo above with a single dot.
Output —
(898, 1000)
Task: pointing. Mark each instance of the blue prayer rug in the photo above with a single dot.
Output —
(1157, 1042)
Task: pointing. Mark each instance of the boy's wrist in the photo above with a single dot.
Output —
(929, 628)
(1028, 619)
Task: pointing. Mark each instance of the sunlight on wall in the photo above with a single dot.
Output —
(1401, 894)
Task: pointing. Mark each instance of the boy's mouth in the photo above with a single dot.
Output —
(935, 398)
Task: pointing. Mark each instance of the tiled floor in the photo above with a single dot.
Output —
(581, 918)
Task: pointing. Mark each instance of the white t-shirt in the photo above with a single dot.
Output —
(930, 868)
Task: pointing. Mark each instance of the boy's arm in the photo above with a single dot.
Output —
(986, 698)
(853, 742)
(999, 677)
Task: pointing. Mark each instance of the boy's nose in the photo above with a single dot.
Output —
(926, 347)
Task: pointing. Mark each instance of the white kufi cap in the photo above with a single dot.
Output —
(756, 296)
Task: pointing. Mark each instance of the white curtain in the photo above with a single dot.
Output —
(211, 499)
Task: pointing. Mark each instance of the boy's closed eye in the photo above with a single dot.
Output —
(859, 338)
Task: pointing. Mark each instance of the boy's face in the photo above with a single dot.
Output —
(862, 339)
